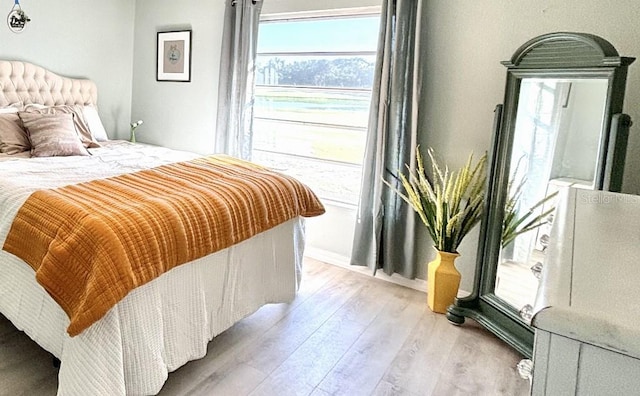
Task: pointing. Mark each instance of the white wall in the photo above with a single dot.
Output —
(331, 234)
(89, 39)
(178, 115)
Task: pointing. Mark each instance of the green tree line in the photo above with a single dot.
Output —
(339, 72)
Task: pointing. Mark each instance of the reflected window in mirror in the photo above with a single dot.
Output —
(556, 143)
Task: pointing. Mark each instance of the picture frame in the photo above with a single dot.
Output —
(173, 58)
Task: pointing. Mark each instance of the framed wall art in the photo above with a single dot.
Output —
(174, 56)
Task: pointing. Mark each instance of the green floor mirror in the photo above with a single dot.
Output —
(561, 124)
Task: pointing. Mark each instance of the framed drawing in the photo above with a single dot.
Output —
(174, 56)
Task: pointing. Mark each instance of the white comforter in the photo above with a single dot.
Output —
(159, 326)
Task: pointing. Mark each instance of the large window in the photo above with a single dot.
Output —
(313, 89)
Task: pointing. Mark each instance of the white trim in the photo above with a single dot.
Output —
(343, 262)
(321, 14)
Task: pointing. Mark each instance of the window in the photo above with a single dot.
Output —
(313, 90)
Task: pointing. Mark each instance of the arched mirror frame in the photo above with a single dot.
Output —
(554, 55)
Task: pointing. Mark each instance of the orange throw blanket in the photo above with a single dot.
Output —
(92, 243)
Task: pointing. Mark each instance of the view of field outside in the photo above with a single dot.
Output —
(313, 90)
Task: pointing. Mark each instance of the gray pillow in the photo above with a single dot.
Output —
(13, 137)
(82, 127)
(52, 135)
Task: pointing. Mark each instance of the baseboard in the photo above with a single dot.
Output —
(343, 261)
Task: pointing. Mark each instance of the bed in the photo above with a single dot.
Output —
(165, 322)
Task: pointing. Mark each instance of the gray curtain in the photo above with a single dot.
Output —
(385, 229)
(235, 95)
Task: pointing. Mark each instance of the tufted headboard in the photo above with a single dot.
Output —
(28, 83)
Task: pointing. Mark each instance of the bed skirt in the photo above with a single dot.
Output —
(165, 323)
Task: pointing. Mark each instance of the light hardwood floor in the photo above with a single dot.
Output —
(345, 333)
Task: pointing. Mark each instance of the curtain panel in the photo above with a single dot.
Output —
(385, 228)
(237, 69)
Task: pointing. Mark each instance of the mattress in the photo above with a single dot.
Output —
(160, 326)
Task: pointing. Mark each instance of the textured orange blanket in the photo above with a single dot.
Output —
(92, 243)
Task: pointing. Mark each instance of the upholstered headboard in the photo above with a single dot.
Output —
(28, 83)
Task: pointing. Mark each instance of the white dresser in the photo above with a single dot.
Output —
(587, 311)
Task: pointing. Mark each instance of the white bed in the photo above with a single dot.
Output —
(159, 326)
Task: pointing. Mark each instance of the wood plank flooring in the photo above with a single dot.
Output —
(344, 334)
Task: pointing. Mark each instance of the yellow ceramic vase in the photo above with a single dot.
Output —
(443, 280)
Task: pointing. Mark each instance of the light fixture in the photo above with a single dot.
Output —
(17, 19)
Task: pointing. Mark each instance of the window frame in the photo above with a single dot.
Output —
(316, 16)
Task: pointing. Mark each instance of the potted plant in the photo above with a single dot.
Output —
(449, 204)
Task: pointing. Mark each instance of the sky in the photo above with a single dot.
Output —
(338, 34)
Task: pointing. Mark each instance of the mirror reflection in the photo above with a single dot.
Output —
(556, 143)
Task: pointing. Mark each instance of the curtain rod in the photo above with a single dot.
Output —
(234, 2)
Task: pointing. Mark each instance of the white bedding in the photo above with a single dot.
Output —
(159, 326)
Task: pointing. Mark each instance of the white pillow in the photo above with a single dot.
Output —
(38, 106)
(94, 122)
(12, 108)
